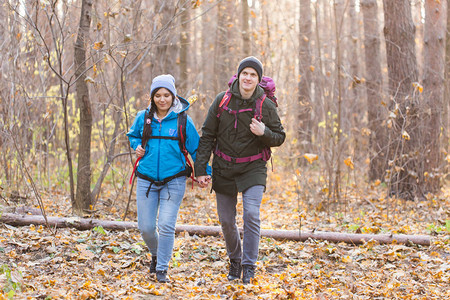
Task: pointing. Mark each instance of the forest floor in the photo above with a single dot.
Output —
(41, 263)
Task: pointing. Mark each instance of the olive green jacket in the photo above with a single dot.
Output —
(228, 177)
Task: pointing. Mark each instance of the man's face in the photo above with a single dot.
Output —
(248, 80)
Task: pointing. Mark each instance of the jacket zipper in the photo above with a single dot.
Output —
(159, 150)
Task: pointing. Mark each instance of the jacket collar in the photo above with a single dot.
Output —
(180, 104)
(234, 89)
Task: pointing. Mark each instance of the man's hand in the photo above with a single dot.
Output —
(204, 180)
(257, 128)
(140, 151)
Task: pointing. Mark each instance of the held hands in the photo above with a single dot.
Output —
(257, 128)
(140, 151)
(204, 180)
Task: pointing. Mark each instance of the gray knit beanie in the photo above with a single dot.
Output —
(163, 81)
(251, 62)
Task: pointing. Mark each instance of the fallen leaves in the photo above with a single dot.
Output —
(99, 263)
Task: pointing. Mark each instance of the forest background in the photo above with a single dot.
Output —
(363, 89)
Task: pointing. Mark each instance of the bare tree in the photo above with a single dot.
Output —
(433, 97)
(304, 86)
(339, 12)
(184, 49)
(165, 55)
(247, 46)
(225, 41)
(446, 107)
(373, 83)
(402, 70)
(83, 200)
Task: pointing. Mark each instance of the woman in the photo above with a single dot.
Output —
(161, 173)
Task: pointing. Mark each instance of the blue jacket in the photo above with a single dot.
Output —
(163, 157)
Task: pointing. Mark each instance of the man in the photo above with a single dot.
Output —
(238, 139)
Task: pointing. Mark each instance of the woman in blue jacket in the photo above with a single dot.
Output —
(161, 173)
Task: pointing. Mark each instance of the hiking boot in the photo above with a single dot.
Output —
(161, 276)
(235, 269)
(153, 265)
(248, 273)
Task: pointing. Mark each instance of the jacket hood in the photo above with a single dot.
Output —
(236, 92)
(179, 105)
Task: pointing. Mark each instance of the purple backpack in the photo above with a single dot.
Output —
(268, 86)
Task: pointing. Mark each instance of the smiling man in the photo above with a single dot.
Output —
(240, 143)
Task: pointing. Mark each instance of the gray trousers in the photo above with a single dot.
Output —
(226, 208)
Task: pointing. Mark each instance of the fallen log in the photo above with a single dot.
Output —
(60, 222)
(296, 235)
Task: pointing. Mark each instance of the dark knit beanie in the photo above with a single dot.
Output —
(251, 62)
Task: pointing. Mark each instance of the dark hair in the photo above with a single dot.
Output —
(157, 89)
(147, 132)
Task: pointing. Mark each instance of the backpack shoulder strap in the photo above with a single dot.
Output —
(224, 103)
(181, 128)
(258, 107)
(181, 124)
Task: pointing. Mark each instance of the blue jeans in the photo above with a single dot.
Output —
(166, 199)
(226, 208)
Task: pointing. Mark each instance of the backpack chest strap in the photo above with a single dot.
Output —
(264, 155)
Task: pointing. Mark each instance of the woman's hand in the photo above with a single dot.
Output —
(140, 151)
(257, 128)
(203, 181)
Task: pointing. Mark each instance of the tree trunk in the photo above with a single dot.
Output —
(404, 137)
(354, 107)
(296, 235)
(247, 47)
(164, 59)
(304, 86)
(374, 79)
(225, 42)
(433, 84)
(207, 92)
(339, 10)
(83, 198)
(446, 107)
(184, 50)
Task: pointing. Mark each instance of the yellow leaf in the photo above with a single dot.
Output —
(197, 3)
(310, 157)
(448, 158)
(252, 13)
(405, 135)
(192, 99)
(106, 58)
(349, 162)
(418, 87)
(346, 259)
(366, 131)
(99, 26)
(312, 68)
(98, 45)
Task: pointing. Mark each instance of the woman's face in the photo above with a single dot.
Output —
(163, 99)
